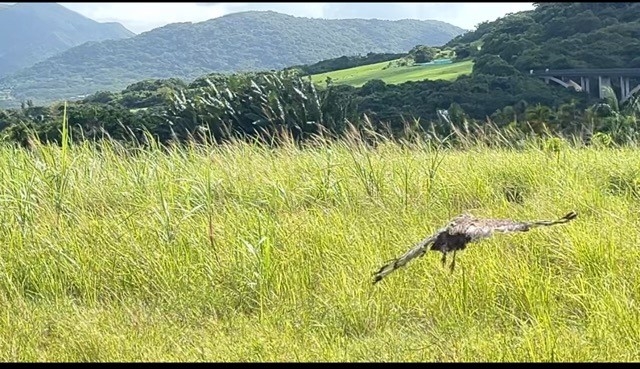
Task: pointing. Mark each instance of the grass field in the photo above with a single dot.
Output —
(358, 76)
(242, 253)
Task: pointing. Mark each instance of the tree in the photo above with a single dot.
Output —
(538, 117)
(493, 65)
(423, 54)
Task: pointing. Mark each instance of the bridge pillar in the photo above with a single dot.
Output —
(626, 88)
(631, 92)
(623, 90)
(588, 88)
(602, 83)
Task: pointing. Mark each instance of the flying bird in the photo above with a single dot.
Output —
(460, 231)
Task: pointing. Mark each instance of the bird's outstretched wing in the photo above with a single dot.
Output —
(417, 250)
(487, 226)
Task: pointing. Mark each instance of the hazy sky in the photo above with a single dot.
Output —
(141, 17)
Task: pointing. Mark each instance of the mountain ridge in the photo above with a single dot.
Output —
(243, 41)
(32, 32)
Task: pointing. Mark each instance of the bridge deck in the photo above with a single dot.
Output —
(608, 72)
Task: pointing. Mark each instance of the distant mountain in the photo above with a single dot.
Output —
(32, 32)
(254, 40)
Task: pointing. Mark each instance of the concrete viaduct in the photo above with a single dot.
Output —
(568, 77)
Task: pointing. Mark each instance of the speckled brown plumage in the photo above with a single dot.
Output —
(460, 231)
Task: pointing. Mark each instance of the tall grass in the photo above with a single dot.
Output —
(240, 252)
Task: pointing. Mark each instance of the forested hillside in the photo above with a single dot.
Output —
(32, 32)
(561, 35)
(246, 41)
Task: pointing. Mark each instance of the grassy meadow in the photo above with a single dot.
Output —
(244, 253)
(358, 76)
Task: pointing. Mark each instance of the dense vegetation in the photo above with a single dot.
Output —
(32, 32)
(236, 42)
(225, 107)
